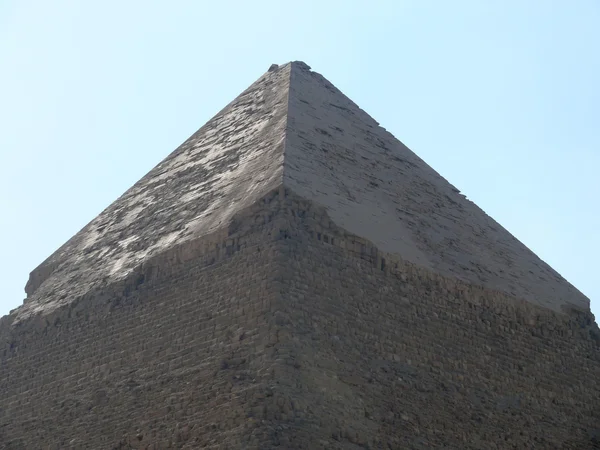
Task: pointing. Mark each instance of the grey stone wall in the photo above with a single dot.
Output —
(286, 331)
(180, 355)
(394, 356)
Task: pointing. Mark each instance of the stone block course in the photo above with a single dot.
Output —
(189, 349)
(433, 362)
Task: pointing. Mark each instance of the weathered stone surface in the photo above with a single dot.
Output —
(231, 162)
(374, 186)
(270, 284)
(401, 357)
(293, 127)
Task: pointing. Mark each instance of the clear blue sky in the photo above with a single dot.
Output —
(501, 97)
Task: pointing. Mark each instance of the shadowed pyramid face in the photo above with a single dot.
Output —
(293, 276)
(294, 128)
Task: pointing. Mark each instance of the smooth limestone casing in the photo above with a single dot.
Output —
(232, 161)
(286, 330)
(374, 186)
(293, 127)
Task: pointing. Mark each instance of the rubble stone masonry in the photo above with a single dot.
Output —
(283, 330)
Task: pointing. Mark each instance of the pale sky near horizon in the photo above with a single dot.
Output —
(500, 97)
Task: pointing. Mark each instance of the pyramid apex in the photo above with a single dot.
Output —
(300, 65)
(296, 64)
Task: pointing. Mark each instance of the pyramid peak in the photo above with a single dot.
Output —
(300, 65)
(336, 156)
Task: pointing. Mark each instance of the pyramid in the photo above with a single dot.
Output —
(293, 276)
